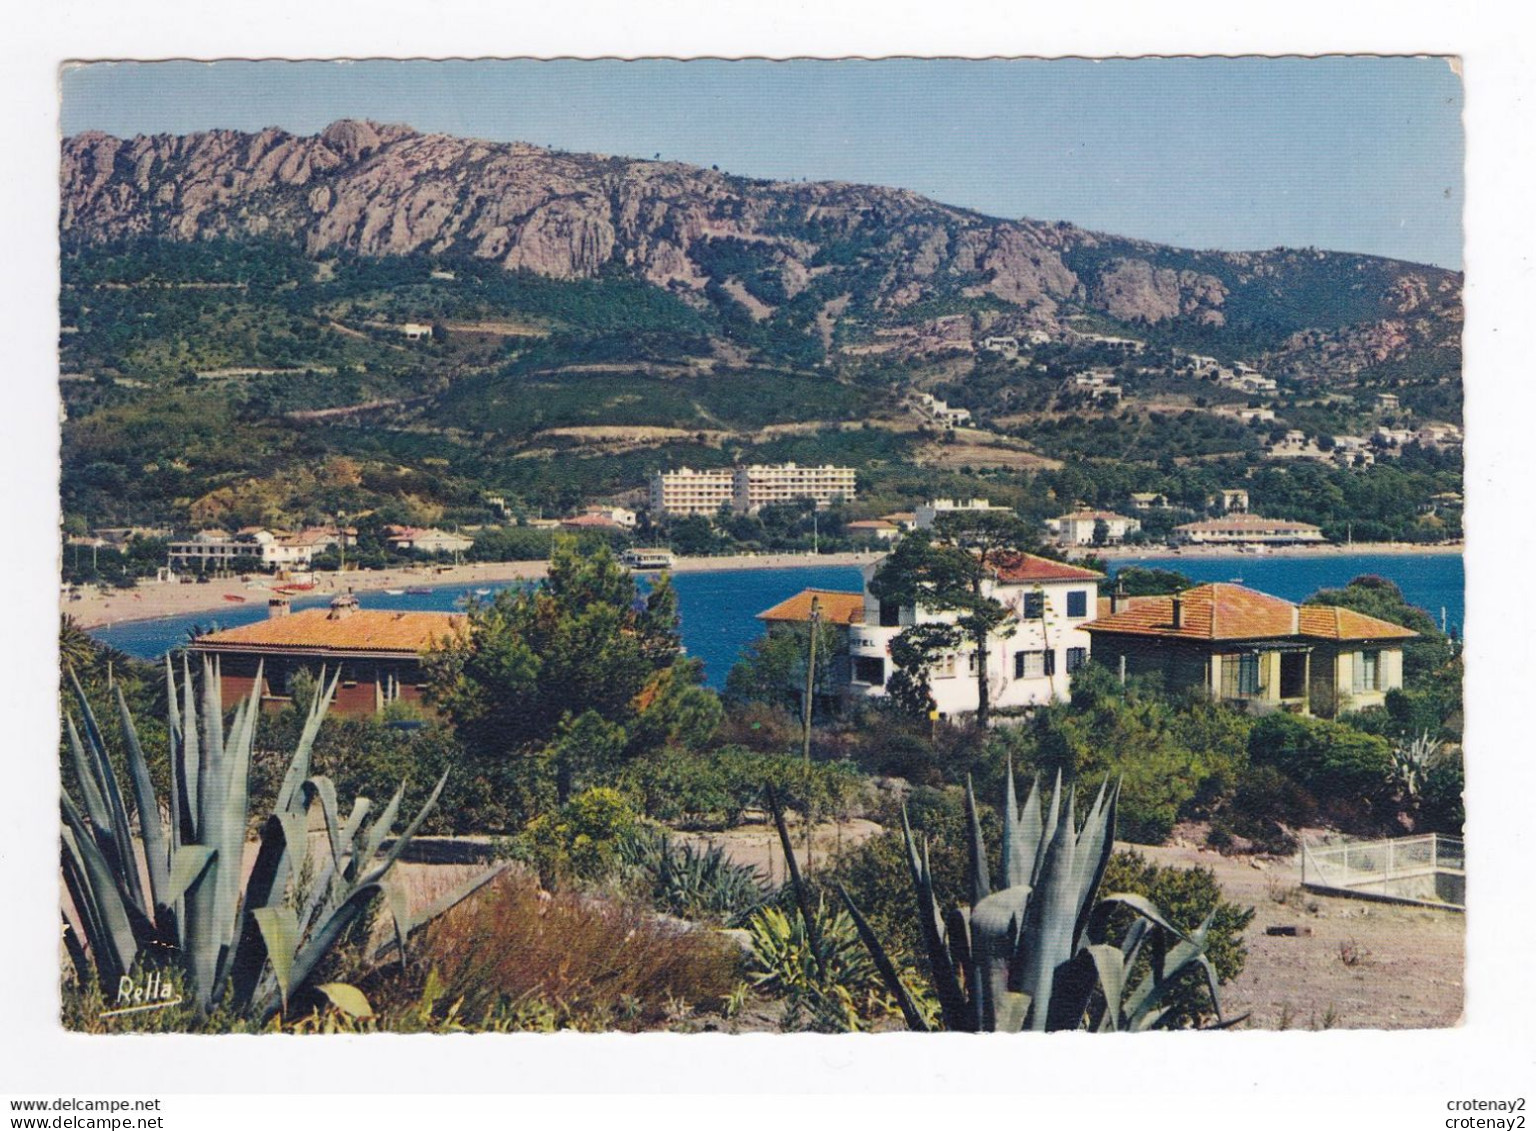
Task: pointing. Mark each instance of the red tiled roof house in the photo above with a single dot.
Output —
(1248, 647)
(378, 653)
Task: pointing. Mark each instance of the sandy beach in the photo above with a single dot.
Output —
(149, 600)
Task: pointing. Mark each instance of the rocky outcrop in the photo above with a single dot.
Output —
(383, 190)
(386, 190)
(1132, 290)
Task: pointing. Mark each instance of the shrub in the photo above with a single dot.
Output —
(515, 957)
(1186, 896)
(1264, 805)
(714, 789)
(1337, 764)
(832, 985)
(1173, 756)
(878, 878)
(1442, 807)
(581, 839)
(690, 882)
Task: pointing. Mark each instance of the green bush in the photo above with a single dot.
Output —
(1442, 807)
(1185, 896)
(690, 882)
(579, 841)
(831, 984)
(1263, 805)
(877, 876)
(1337, 764)
(715, 788)
(1173, 755)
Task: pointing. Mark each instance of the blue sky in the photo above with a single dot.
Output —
(1352, 154)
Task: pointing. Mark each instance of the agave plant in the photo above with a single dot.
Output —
(250, 948)
(1031, 954)
(1412, 763)
(693, 882)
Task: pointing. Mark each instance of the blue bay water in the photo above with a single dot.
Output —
(719, 607)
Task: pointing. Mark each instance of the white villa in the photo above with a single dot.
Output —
(1079, 527)
(927, 513)
(1050, 601)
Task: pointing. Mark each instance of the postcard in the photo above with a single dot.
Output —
(744, 548)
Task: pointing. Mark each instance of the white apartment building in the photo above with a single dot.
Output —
(1050, 602)
(1079, 527)
(217, 550)
(687, 491)
(926, 513)
(763, 485)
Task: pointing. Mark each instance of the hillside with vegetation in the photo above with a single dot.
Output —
(582, 320)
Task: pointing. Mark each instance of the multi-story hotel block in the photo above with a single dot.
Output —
(763, 485)
(687, 491)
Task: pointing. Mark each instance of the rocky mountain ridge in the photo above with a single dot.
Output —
(805, 253)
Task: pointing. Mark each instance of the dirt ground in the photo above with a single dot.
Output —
(1354, 964)
(1363, 965)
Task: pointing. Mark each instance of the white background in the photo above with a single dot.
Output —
(1259, 1079)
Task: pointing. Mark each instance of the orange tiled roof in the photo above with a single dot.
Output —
(1333, 623)
(837, 607)
(1029, 567)
(362, 630)
(593, 520)
(1222, 611)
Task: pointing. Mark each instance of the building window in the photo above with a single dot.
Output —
(1368, 671)
(1076, 658)
(870, 670)
(1077, 603)
(1240, 676)
(1034, 606)
(943, 667)
(890, 614)
(1033, 665)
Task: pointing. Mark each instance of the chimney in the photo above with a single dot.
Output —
(343, 605)
(1117, 597)
(278, 606)
(1178, 611)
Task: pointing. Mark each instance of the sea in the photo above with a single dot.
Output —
(719, 608)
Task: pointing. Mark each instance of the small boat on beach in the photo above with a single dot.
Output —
(234, 597)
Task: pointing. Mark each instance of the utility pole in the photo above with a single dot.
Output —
(810, 692)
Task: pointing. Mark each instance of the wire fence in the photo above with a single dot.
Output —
(1429, 869)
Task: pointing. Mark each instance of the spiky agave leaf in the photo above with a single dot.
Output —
(156, 851)
(941, 964)
(898, 989)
